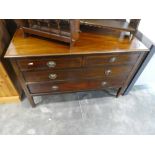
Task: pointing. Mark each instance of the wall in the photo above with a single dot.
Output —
(148, 76)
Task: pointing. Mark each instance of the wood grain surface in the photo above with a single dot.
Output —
(7, 91)
(88, 43)
(75, 74)
(73, 86)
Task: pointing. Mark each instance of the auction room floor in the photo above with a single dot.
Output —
(83, 113)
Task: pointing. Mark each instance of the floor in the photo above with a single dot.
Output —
(83, 113)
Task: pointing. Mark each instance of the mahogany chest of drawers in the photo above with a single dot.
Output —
(95, 62)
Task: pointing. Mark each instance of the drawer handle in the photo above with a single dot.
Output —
(52, 76)
(54, 88)
(51, 64)
(104, 83)
(107, 72)
(30, 64)
(113, 59)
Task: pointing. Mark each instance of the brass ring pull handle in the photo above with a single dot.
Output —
(54, 88)
(108, 72)
(104, 83)
(52, 76)
(51, 64)
(113, 59)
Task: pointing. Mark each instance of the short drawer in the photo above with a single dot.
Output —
(72, 86)
(50, 62)
(111, 59)
(83, 73)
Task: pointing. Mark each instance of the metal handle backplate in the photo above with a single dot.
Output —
(51, 64)
(108, 72)
(30, 64)
(52, 76)
(54, 88)
(113, 59)
(104, 83)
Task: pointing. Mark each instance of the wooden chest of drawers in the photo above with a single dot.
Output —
(57, 75)
(84, 67)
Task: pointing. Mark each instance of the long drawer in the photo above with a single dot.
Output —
(72, 86)
(83, 73)
(49, 62)
(111, 59)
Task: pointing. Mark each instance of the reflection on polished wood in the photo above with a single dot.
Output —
(88, 43)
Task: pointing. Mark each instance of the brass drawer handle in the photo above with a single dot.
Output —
(52, 76)
(30, 64)
(51, 64)
(113, 59)
(54, 88)
(108, 72)
(104, 83)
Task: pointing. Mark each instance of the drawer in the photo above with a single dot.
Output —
(83, 73)
(50, 62)
(111, 59)
(72, 86)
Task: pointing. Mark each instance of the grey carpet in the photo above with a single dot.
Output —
(96, 112)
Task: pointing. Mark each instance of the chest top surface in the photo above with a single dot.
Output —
(88, 43)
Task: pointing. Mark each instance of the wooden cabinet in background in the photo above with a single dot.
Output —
(8, 92)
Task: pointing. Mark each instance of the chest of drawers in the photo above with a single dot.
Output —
(45, 67)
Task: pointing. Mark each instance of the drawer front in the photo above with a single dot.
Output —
(87, 73)
(52, 63)
(73, 86)
(111, 59)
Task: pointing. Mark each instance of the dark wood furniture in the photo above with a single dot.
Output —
(57, 29)
(68, 31)
(95, 62)
(115, 24)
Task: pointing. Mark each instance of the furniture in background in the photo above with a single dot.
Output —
(8, 92)
(63, 30)
(115, 24)
(96, 61)
(68, 31)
